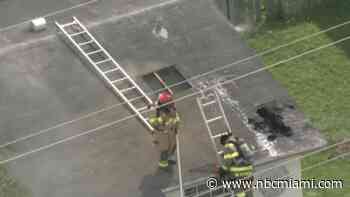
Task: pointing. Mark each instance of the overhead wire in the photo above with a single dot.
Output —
(284, 163)
(43, 131)
(154, 92)
(175, 100)
(49, 14)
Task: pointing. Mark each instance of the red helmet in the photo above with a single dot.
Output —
(165, 97)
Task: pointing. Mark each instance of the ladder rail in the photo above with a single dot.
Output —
(149, 126)
(178, 153)
(209, 129)
(178, 150)
(208, 122)
(113, 60)
(223, 112)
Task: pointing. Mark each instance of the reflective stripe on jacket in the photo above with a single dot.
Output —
(241, 194)
(158, 122)
(165, 132)
(230, 154)
(242, 171)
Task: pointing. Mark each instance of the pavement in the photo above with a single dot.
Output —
(45, 83)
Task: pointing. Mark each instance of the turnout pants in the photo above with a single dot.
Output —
(166, 146)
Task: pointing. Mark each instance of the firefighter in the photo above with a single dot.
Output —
(239, 144)
(243, 148)
(230, 153)
(241, 169)
(166, 127)
(235, 165)
(164, 98)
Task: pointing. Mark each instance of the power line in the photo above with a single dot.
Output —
(308, 155)
(58, 126)
(326, 161)
(92, 25)
(49, 14)
(176, 84)
(261, 172)
(176, 100)
(108, 108)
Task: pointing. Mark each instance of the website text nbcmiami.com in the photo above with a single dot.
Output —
(213, 183)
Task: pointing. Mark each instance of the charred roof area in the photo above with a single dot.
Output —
(45, 83)
(273, 124)
(271, 119)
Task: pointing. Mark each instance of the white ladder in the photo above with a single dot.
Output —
(105, 65)
(206, 101)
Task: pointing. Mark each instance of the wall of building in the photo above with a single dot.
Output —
(279, 171)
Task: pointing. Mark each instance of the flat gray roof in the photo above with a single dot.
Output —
(44, 83)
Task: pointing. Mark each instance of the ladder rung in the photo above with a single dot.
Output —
(214, 119)
(142, 108)
(103, 61)
(134, 99)
(108, 71)
(219, 135)
(76, 34)
(209, 103)
(121, 79)
(103, 56)
(93, 52)
(85, 43)
(68, 24)
(127, 89)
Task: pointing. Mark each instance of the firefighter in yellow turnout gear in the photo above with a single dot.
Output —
(235, 165)
(166, 127)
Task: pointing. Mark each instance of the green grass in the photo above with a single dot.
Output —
(9, 187)
(319, 82)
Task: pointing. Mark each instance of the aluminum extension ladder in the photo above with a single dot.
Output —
(107, 68)
(212, 99)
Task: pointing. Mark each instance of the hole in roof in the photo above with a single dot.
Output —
(171, 76)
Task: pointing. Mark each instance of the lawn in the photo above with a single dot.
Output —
(9, 186)
(319, 82)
